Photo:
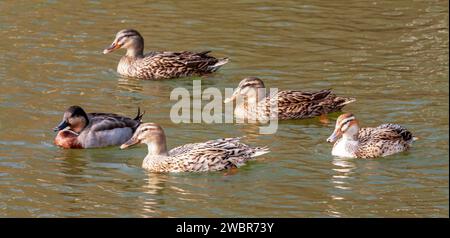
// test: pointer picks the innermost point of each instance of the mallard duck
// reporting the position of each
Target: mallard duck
(384, 140)
(253, 103)
(79, 129)
(213, 155)
(159, 65)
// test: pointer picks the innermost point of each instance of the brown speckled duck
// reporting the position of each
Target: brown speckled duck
(213, 155)
(252, 102)
(354, 142)
(159, 65)
(80, 130)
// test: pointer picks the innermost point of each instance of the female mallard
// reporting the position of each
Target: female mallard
(159, 65)
(386, 139)
(81, 130)
(254, 104)
(213, 155)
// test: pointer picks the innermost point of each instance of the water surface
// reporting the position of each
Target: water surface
(391, 55)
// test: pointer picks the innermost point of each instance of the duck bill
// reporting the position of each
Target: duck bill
(114, 46)
(334, 137)
(233, 97)
(61, 126)
(130, 142)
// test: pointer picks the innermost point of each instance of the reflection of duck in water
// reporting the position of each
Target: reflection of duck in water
(130, 85)
(159, 65)
(291, 104)
(384, 140)
(212, 155)
(79, 129)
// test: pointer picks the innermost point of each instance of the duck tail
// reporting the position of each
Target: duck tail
(345, 101)
(403, 132)
(218, 64)
(204, 53)
(139, 115)
(260, 151)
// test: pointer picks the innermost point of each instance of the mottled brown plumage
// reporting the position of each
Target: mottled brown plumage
(253, 102)
(159, 65)
(213, 155)
(352, 141)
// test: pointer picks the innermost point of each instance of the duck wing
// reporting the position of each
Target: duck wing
(213, 155)
(383, 140)
(297, 104)
(399, 130)
(179, 64)
(110, 121)
(295, 97)
(383, 132)
(211, 143)
(301, 104)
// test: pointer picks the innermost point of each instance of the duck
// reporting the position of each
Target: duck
(159, 64)
(81, 130)
(354, 142)
(252, 102)
(212, 155)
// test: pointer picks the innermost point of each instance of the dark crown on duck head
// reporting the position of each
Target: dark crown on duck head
(127, 33)
(253, 82)
(75, 111)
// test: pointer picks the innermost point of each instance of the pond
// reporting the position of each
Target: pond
(391, 56)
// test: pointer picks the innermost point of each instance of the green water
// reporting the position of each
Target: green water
(392, 56)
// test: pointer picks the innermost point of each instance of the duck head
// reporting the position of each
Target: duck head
(249, 88)
(346, 127)
(128, 39)
(151, 134)
(75, 118)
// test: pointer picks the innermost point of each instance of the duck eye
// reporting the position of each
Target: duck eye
(345, 126)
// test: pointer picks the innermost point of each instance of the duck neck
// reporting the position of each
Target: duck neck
(251, 101)
(353, 137)
(84, 121)
(136, 48)
(135, 52)
(157, 147)
(351, 134)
